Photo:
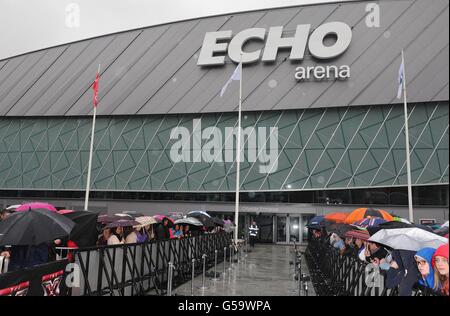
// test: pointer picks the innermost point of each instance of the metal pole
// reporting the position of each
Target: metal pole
(231, 257)
(169, 279)
(193, 277)
(215, 266)
(224, 260)
(204, 271)
(306, 288)
(88, 181)
(408, 163)
(238, 158)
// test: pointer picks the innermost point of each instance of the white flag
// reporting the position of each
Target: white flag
(401, 76)
(235, 76)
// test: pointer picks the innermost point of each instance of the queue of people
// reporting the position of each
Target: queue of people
(107, 230)
(401, 268)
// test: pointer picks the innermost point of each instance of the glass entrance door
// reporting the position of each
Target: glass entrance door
(281, 229)
(294, 229)
(288, 228)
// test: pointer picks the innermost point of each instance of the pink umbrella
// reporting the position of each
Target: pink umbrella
(62, 212)
(36, 205)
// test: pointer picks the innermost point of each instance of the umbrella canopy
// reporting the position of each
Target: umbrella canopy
(124, 215)
(159, 219)
(199, 212)
(441, 231)
(145, 220)
(206, 220)
(369, 222)
(36, 205)
(85, 233)
(217, 221)
(12, 208)
(316, 220)
(34, 228)
(189, 221)
(337, 217)
(105, 218)
(399, 219)
(412, 239)
(339, 228)
(123, 223)
(176, 216)
(362, 213)
(62, 212)
(393, 225)
(358, 233)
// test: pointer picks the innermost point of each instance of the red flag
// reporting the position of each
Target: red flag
(95, 87)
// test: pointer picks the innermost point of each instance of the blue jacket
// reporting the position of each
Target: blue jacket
(427, 254)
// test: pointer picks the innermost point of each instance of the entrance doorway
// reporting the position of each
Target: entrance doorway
(265, 224)
(291, 228)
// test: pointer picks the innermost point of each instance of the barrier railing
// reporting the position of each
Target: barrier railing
(336, 275)
(139, 269)
(42, 280)
(3, 264)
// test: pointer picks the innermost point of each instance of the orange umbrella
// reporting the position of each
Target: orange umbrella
(336, 217)
(361, 213)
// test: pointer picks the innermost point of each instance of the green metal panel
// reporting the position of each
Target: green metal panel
(328, 148)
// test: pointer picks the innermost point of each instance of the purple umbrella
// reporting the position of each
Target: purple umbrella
(123, 223)
(105, 219)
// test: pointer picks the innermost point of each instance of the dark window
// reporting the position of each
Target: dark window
(424, 196)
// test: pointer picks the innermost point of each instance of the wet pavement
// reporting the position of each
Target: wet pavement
(264, 271)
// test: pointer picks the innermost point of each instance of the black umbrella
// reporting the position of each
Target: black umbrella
(441, 231)
(85, 233)
(395, 224)
(339, 228)
(217, 221)
(206, 221)
(32, 228)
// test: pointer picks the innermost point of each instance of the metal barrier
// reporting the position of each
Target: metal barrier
(49, 279)
(3, 264)
(140, 269)
(336, 275)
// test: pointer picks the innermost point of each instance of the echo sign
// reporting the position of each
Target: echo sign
(215, 44)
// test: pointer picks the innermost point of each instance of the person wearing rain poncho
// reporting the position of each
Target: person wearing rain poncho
(424, 264)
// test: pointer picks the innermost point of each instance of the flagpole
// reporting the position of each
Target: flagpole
(88, 184)
(408, 163)
(238, 159)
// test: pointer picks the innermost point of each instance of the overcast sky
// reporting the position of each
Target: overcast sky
(28, 25)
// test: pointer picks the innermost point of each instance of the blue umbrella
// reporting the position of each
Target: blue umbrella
(316, 222)
(369, 222)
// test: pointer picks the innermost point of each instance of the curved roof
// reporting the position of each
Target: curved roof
(154, 70)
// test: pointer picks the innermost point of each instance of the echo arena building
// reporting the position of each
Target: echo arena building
(322, 127)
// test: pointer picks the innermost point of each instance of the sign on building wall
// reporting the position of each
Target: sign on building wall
(217, 44)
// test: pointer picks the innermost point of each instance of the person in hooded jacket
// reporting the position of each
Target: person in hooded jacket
(440, 265)
(403, 272)
(162, 230)
(424, 264)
